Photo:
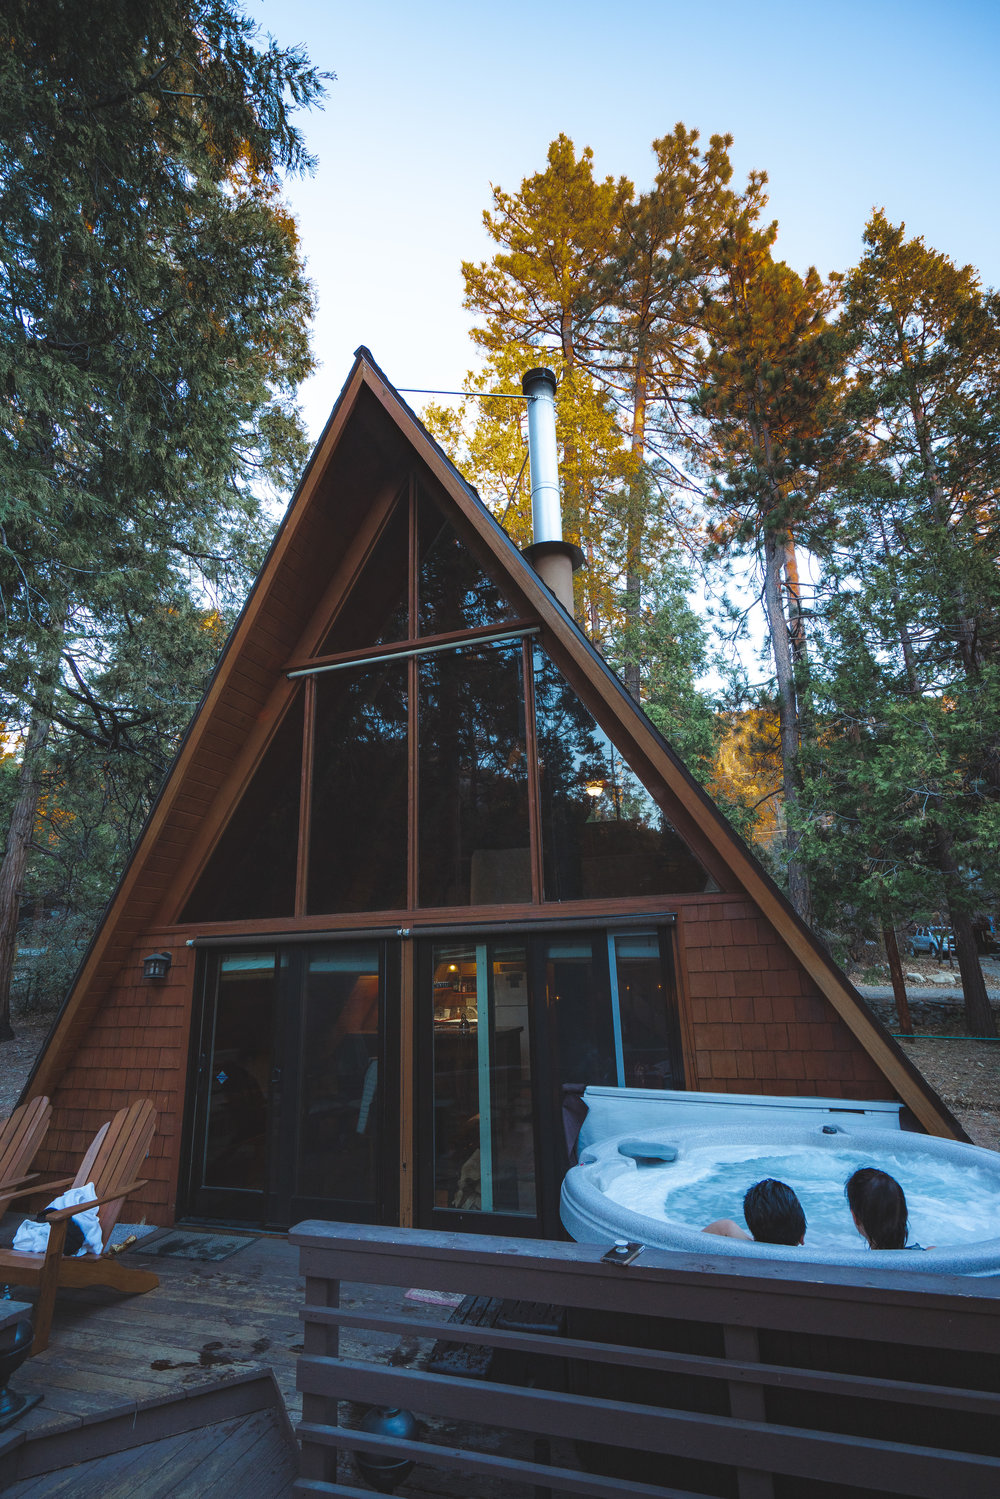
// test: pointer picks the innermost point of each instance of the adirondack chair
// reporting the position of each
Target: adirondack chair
(111, 1163)
(20, 1139)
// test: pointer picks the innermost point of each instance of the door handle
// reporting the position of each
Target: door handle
(275, 1077)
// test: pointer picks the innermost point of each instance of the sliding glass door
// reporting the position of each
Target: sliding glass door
(295, 1106)
(479, 1144)
(505, 1026)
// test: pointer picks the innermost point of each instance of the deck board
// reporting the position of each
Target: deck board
(205, 1320)
(246, 1455)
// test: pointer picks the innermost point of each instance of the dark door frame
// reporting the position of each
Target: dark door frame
(276, 1205)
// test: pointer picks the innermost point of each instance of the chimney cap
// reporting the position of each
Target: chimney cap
(533, 376)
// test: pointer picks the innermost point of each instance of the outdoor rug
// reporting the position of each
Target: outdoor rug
(123, 1231)
(191, 1246)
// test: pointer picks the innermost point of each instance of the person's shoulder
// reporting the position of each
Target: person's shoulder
(726, 1229)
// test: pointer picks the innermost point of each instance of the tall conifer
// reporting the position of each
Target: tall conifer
(153, 323)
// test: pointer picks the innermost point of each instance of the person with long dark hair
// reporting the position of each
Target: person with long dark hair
(878, 1207)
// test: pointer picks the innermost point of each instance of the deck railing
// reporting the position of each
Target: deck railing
(679, 1376)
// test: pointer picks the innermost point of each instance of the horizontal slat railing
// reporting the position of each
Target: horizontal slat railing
(833, 1326)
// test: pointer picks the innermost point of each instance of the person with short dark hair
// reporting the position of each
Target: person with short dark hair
(773, 1213)
(878, 1207)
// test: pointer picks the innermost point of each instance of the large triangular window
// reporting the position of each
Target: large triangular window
(251, 872)
(453, 591)
(446, 762)
(603, 833)
(376, 611)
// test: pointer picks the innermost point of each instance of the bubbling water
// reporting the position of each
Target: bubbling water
(946, 1205)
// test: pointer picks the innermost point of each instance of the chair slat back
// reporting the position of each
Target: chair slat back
(21, 1136)
(116, 1155)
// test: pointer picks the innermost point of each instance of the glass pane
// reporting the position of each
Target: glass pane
(513, 1163)
(376, 612)
(473, 779)
(357, 834)
(650, 1046)
(339, 1113)
(252, 871)
(240, 1072)
(454, 592)
(578, 1006)
(603, 834)
(484, 1156)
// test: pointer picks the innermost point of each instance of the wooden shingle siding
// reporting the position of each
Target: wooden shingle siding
(136, 1046)
(758, 1022)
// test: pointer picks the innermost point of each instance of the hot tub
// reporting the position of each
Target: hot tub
(952, 1190)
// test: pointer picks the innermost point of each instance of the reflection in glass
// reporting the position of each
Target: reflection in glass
(484, 1154)
(603, 834)
(473, 779)
(454, 592)
(339, 1115)
(357, 834)
(376, 611)
(240, 1071)
(578, 1006)
(252, 870)
(649, 1042)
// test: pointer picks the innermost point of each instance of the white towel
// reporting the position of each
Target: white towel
(33, 1237)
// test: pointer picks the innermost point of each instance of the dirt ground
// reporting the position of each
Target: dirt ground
(965, 1073)
(17, 1058)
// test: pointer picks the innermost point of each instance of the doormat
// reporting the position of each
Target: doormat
(127, 1233)
(181, 1246)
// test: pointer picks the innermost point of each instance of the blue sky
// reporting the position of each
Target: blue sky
(844, 105)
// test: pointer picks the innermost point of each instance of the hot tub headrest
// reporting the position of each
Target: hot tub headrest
(646, 1150)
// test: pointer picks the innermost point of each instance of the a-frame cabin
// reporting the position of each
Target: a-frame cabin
(420, 862)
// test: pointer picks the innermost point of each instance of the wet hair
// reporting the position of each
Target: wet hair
(774, 1214)
(879, 1207)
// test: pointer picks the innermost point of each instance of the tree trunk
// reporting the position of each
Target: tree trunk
(15, 860)
(978, 1014)
(898, 981)
(634, 534)
(784, 671)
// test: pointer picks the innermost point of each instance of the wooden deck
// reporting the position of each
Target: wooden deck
(204, 1320)
(112, 1356)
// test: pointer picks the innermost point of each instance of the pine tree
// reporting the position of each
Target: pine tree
(770, 385)
(154, 329)
(664, 262)
(921, 542)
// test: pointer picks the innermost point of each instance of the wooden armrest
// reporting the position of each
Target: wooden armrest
(58, 1214)
(19, 1181)
(36, 1187)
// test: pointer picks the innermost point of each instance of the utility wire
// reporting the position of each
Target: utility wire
(513, 493)
(480, 395)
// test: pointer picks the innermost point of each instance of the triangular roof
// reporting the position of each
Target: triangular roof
(351, 479)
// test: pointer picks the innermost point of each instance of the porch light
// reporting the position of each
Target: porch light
(156, 966)
(595, 789)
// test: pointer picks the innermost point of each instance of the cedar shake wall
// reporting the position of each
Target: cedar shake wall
(137, 1047)
(756, 1024)
(759, 1024)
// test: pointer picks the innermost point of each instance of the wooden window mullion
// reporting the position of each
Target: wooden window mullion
(534, 777)
(305, 798)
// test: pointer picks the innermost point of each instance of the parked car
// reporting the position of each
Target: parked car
(931, 941)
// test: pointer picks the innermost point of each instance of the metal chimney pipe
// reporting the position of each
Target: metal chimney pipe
(546, 515)
(553, 559)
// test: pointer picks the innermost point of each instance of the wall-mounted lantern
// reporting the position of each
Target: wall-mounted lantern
(156, 966)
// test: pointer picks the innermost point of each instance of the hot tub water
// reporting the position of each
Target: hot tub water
(952, 1192)
(945, 1206)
